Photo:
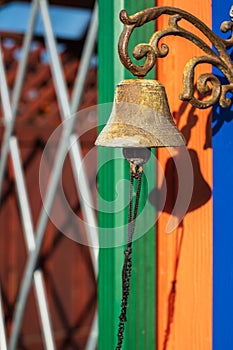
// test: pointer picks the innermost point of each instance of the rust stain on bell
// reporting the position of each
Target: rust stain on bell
(140, 117)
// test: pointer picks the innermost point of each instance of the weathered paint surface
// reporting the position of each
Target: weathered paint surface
(140, 328)
(185, 254)
(223, 208)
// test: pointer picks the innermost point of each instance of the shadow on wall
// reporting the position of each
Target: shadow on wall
(200, 196)
(201, 190)
(222, 115)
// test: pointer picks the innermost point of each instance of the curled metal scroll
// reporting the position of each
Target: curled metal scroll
(217, 57)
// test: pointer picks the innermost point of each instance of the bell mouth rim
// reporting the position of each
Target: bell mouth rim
(136, 137)
(139, 146)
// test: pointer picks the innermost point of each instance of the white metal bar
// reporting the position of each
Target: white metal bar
(75, 151)
(3, 343)
(22, 195)
(93, 337)
(23, 62)
(44, 313)
(77, 160)
(26, 214)
(48, 201)
(49, 197)
(57, 72)
(85, 61)
(30, 242)
(84, 192)
(42, 222)
(17, 90)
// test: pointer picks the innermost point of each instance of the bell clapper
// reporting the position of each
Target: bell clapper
(135, 169)
(137, 155)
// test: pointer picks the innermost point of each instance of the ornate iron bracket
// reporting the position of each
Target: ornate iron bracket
(217, 57)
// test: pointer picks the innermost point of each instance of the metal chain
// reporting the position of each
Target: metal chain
(136, 173)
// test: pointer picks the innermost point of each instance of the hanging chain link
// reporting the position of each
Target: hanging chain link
(135, 173)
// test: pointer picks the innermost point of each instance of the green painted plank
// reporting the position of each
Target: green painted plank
(140, 329)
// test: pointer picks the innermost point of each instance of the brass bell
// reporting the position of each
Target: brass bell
(140, 117)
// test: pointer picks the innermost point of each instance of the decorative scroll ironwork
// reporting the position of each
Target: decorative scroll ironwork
(217, 57)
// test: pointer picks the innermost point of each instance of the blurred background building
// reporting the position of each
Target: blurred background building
(67, 266)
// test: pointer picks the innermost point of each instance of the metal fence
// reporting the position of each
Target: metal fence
(34, 236)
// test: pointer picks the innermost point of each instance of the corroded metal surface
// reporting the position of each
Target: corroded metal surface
(218, 57)
(140, 117)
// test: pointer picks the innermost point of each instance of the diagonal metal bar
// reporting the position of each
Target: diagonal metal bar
(42, 222)
(26, 214)
(54, 179)
(93, 337)
(3, 343)
(75, 151)
(68, 109)
(76, 154)
(30, 241)
(84, 65)
(17, 90)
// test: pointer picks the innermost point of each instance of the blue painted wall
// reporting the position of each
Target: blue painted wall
(223, 209)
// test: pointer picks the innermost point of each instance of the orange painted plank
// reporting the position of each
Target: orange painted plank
(185, 254)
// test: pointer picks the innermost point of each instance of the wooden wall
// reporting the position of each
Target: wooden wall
(223, 208)
(185, 254)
